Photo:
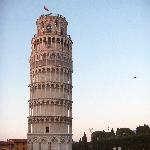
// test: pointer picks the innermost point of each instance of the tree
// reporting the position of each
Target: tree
(84, 142)
(124, 132)
(112, 132)
(143, 129)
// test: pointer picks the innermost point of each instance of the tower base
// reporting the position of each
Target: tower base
(49, 141)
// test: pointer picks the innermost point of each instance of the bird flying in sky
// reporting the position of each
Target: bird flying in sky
(45, 8)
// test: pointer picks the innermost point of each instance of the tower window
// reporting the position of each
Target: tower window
(56, 23)
(62, 31)
(40, 40)
(49, 40)
(53, 39)
(61, 41)
(47, 129)
(37, 41)
(48, 28)
(44, 39)
(58, 40)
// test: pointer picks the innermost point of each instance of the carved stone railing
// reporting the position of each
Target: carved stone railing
(50, 119)
(51, 101)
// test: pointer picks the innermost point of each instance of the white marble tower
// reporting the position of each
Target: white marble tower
(50, 104)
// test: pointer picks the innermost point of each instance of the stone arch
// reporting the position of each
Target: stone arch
(29, 140)
(52, 102)
(61, 41)
(48, 69)
(57, 69)
(39, 86)
(34, 45)
(34, 58)
(57, 86)
(65, 43)
(43, 69)
(68, 45)
(53, 56)
(69, 140)
(62, 31)
(53, 40)
(52, 85)
(56, 119)
(52, 119)
(44, 39)
(44, 56)
(52, 69)
(54, 140)
(49, 40)
(35, 71)
(58, 40)
(43, 86)
(58, 56)
(61, 70)
(37, 41)
(61, 102)
(40, 40)
(62, 140)
(61, 56)
(57, 102)
(35, 140)
(40, 57)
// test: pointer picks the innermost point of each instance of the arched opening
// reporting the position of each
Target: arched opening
(34, 45)
(47, 129)
(62, 31)
(44, 40)
(49, 40)
(44, 56)
(53, 40)
(58, 40)
(65, 43)
(40, 40)
(56, 23)
(61, 41)
(68, 45)
(37, 41)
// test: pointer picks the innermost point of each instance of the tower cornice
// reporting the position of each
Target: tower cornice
(50, 119)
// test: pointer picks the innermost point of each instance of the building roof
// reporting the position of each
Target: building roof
(19, 140)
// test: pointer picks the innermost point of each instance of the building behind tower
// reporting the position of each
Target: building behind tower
(50, 103)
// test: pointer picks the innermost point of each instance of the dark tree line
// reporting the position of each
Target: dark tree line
(124, 138)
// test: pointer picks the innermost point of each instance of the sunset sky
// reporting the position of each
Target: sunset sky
(111, 46)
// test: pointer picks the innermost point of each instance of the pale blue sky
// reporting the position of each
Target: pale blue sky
(111, 45)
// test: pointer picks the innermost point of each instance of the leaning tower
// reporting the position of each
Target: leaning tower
(50, 104)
